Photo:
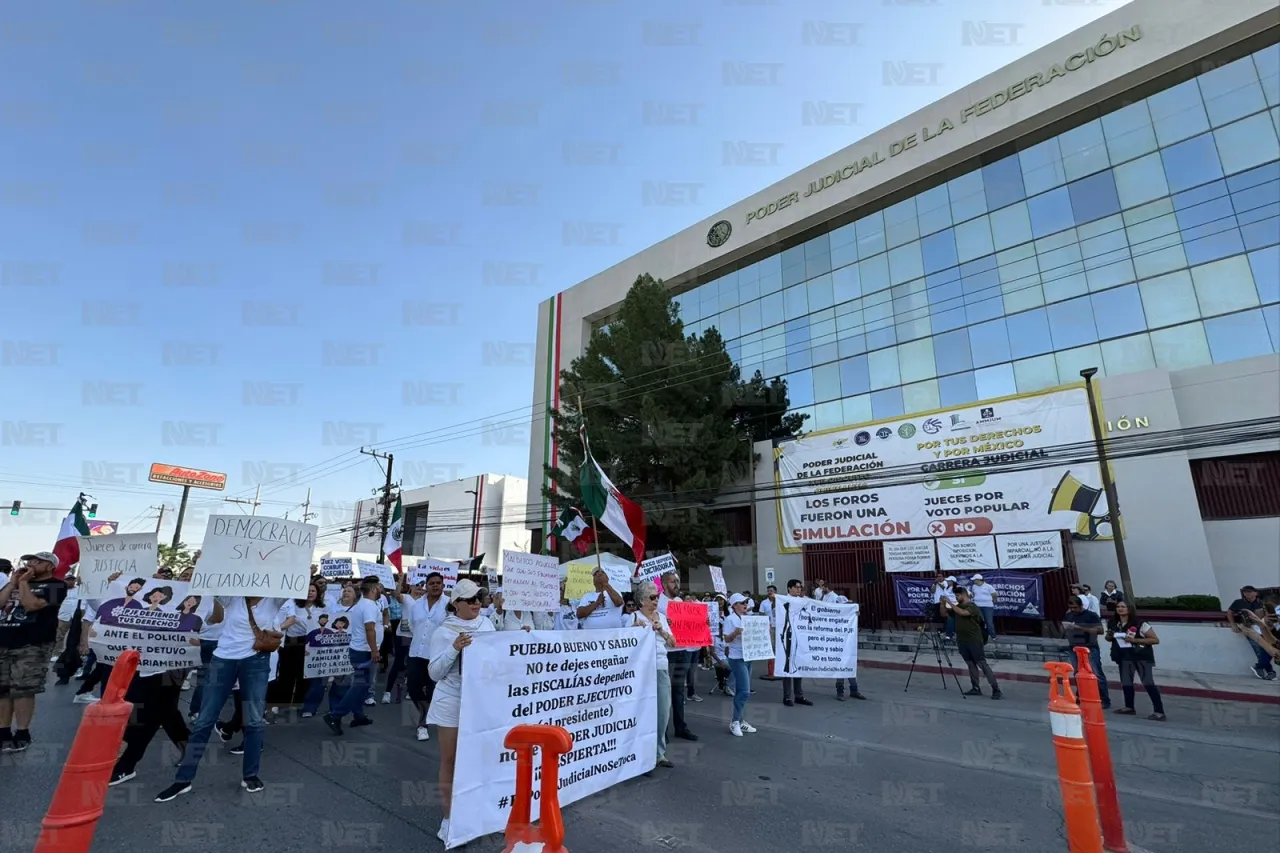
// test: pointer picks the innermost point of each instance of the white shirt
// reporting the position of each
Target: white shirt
(236, 642)
(567, 618)
(1091, 603)
(733, 622)
(425, 619)
(511, 620)
(642, 621)
(607, 616)
(361, 613)
(939, 593)
(68, 609)
(444, 668)
(982, 594)
(300, 614)
(765, 608)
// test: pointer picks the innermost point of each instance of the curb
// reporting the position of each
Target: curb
(1168, 690)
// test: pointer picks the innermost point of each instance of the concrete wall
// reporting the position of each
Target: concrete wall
(451, 517)
(1174, 33)
(1244, 551)
(1199, 648)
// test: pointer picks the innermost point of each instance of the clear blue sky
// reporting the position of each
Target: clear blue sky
(164, 165)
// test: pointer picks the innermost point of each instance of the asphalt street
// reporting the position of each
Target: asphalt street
(903, 772)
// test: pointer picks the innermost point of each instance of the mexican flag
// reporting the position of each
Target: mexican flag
(392, 547)
(603, 501)
(573, 528)
(67, 548)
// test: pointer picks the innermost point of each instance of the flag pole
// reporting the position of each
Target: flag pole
(586, 455)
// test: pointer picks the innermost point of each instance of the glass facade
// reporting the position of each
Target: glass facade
(1147, 238)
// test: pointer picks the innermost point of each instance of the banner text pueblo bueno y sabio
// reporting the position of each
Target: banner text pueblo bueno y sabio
(985, 468)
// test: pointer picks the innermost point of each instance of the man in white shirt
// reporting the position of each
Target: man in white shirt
(601, 608)
(1087, 598)
(984, 597)
(792, 688)
(366, 636)
(947, 593)
(425, 611)
(679, 661)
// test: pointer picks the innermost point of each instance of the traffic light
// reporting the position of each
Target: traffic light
(93, 511)
(17, 505)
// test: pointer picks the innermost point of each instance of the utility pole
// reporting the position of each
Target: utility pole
(1108, 485)
(386, 500)
(159, 518)
(306, 506)
(255, 503)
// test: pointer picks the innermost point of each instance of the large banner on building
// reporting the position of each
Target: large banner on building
(1003, 466)
(1018, 594)
(601, 686)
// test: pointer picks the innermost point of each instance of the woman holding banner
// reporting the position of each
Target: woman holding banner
(445, 669)
(649, 616)
(738, 665)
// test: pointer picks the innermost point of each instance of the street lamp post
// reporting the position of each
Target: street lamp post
(1109, 486)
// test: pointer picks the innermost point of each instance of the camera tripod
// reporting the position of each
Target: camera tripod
(939, 652)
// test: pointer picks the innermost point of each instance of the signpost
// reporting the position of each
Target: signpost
(188, 478)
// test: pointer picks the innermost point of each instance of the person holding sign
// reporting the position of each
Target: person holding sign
(366, 637)
(602, 607)
(445, 669)
(792, 688)
(680, 659)
(425, 608)
(737, 665)
(648, 616)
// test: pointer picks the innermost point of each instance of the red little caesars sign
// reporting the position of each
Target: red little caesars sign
(179, 476)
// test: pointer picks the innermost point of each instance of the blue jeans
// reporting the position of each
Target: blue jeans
(315, 695)
(202, 674)
(252, 673)
(989, 616)
(1264, 656)
(853, 686)
(1095, 664)
(741, 686)
(950, 627)
(352, 701)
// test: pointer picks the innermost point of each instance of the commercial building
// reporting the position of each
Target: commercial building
(484, 514)
(1110, 201)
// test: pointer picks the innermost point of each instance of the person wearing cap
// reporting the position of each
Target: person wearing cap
(649, 616)
(29, 603)
(366, 640)
(445, 668)
(732, 633)
(602, 607)
(984, 597)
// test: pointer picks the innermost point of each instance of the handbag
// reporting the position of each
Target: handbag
(263, 641)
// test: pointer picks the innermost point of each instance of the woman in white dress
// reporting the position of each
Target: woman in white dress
(445, 668)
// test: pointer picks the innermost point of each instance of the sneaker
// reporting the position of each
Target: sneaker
(84, 699)
(423, 734)
(334, 724)
(735, 729)
(306, 715)
(443, 833)
(370, 701)
(800, 700)
(386, 699)
(1270, 676)
(665, 762)
(788, 702)
(119, 777)
(839, 697)
(252, 784)
(858, 696)
(728, 691)
(21, 740)
(1257, 672)
(747, 727)
(177, 789)
(191, 718)
(357, 722)
(238, 749)
(695, 698)
(686, 735)
(975, 691)
(223, 734)
(996, 694)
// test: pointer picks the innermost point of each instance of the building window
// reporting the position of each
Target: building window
(737, 525)
(1245, 486)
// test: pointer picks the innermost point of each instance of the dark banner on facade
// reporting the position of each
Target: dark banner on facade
(1017, 594)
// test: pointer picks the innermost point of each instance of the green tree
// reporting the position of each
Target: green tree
(670, 420)
(178, 559)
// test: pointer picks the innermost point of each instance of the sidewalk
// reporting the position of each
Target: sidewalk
(1204, 685)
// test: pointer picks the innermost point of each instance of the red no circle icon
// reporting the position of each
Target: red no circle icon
(960, 527)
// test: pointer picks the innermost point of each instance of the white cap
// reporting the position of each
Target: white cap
(464, 589)
(976, 578)
(737, 598)
(951, 578)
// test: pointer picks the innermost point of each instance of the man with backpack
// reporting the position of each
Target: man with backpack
(971, 636)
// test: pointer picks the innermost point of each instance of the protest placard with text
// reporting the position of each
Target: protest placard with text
(757, 644)
(815, 639)
(690, 625)
(717, 580)
(448, 571)
(381, 571)
(160, 619)
(133, 555)
(255, 555)
(328, 643)
(654, 568)
(530, 582)
(337, 567)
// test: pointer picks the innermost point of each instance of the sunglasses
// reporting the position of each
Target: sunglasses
(653, 598)
(475, 599)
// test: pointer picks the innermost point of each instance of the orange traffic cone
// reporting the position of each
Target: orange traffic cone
(1079, 808)
(553, 742)
(1095, 737)
(77, 803)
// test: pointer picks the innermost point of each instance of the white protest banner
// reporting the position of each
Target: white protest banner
(654, 568)
(910, 555)
(717, 580)
(1030, 550)
(134, 555)
(426, 565)
(967, 554)
(491, 575)
(816, 639)
(255, 555)
(381, 571)
(756, 642)
(161, 619)
(328, 644)
(601, 686)
(530, 582)
(992, 467)
(337, 567)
